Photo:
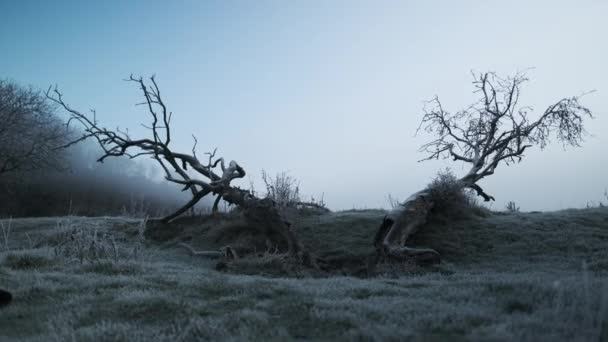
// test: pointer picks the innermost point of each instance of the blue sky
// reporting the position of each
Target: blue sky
(330, 91)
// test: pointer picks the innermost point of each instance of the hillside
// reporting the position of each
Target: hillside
(520, 276)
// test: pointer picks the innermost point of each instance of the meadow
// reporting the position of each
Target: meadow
(503, 277)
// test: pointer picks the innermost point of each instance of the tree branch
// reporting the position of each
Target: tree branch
(496, 130)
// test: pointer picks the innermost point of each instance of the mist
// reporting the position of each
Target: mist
(118, 186)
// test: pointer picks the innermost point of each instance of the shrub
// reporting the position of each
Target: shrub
(511, 207)
(449, 196)
(283, 189)
(393, 201)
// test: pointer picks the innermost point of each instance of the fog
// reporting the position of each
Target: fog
(331, 92)
(118, 186)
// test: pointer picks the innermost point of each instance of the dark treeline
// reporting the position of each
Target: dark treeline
(39, 177)
(118, 186)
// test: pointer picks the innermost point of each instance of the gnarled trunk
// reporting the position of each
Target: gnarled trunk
(399, 224)
(263, 213)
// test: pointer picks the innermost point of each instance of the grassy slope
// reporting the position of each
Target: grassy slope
(504, 277)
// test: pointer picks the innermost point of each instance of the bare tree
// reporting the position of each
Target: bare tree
(215, 176)
(283, 188)
(285, 191)
(30, 131)
(496, 130)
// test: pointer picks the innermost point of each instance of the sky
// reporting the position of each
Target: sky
(329, 91)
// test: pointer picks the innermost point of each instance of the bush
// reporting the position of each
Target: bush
(511, 207)
(283, 189)
(450, 198)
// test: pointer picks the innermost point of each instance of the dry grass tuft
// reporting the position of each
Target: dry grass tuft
(94, 243)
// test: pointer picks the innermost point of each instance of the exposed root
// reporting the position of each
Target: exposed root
(276, 264)
(208, 254)
(420, 255)
(313, 205)
(265, 213)
(273, 227)
(397, 227)
(229, 253)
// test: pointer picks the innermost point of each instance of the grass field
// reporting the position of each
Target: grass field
(504, 277)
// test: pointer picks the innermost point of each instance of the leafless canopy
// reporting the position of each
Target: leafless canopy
(492, 131)
(118, 142)
(30, 132)
(497, 129)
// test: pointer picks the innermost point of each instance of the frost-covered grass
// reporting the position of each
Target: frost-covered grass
(529, 277)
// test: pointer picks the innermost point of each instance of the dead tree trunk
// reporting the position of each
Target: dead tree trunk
(402, 222)
(267, 214)
(399, 224)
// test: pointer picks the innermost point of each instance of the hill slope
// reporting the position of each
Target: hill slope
(528, 276)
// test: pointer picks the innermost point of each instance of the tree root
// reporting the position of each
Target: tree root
(208, 254)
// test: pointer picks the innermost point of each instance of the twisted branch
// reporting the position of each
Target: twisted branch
(496, 130)
(116, 143)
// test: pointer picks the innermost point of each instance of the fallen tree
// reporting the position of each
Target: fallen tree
(215, 176)
(493, 131)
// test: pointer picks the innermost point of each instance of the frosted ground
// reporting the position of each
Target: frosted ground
(519, 276)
